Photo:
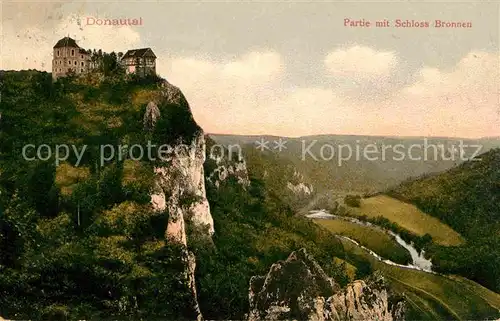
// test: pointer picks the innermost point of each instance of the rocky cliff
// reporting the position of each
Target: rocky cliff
(224, 164)
(298, 185)
(179, 186)
(298, 288)
(180, 178)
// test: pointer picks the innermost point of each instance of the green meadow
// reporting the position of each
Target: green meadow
(372, 238)
(409, 217)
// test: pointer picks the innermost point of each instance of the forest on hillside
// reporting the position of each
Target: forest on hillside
(82, 241)
(467, 198)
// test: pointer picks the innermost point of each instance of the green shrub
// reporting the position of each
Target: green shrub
(352, 200)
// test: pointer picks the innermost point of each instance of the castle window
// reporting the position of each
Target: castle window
(76, 62)
(82, 56)
(81, 70)
(72, 52)
(69, 62)
(81, 63)
(58, 53)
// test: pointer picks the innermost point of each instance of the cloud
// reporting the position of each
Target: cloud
(477, 71)
(255, 67)
(249, 95)
(225, 95)
(360, 64)
(463, 101)
(231, 97)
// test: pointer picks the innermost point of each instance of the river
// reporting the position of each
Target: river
(419, 262)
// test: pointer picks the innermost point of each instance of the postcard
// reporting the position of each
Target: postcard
(249, 160)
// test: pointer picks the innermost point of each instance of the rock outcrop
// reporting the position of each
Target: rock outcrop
(299, 289)
(365, 300)
(179, 185)
(300, 189)
(180, 188)
(151, 116)
(225, 164)
(298, 185)
(180, 179)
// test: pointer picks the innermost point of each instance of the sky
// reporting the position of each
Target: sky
(293, 68)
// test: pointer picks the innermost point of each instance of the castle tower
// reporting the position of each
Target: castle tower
(67, 57)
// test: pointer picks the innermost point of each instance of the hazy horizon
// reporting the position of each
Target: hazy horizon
(360, 135)
(293, 69)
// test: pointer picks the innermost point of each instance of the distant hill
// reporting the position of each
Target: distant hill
(363, 172)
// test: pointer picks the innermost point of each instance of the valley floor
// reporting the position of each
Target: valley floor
(431, 296)
(409, 217)
(437, 297)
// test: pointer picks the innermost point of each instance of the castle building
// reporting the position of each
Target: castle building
(139, 61)
(69, 57)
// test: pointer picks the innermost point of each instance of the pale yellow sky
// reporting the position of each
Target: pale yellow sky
(292, 68)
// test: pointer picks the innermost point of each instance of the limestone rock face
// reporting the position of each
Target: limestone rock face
(362, 300)
(179, 185)
(300, 189)
(180, 178)
(151, 116)
(226, 166)
(290, 289)
(180, 188)
(298, 185)
(299, 289)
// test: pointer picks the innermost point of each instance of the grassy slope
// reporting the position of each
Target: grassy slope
(376, 240)
(467, 198)
(409, 217)
(437, 297)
